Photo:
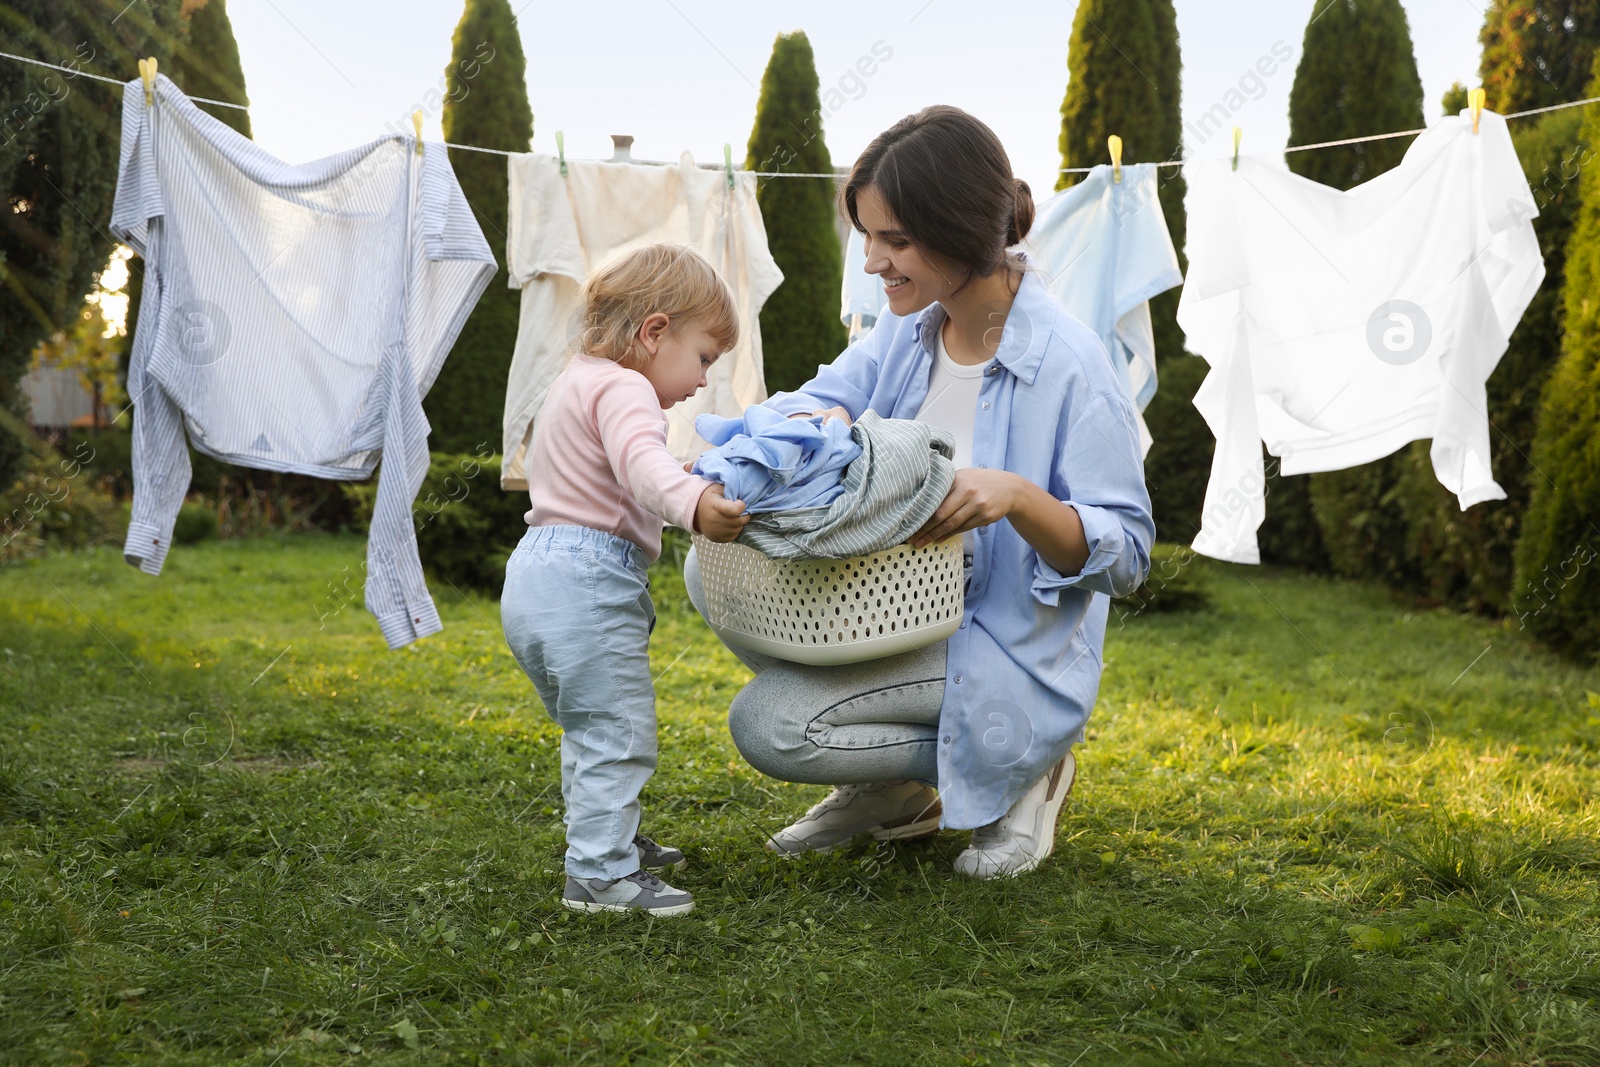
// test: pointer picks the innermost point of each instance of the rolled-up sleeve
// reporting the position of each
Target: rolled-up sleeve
(1100, 475)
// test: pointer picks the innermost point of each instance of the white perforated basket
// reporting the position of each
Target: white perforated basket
(826, 611)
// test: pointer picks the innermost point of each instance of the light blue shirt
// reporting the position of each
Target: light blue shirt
(1023, 670)
(773, 463)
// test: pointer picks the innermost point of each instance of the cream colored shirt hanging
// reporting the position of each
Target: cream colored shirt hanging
(561, 227)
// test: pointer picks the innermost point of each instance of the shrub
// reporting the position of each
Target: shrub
(1464, 558)
(467, 526)
(196, 523)
(56, 502)
(1557, 588)
(1179, 580)
(800, 327)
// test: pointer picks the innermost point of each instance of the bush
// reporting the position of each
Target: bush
(1465, 558)
(800, 327)
(467, 526)
(1179, 580)
(196, 523)
(56, 502)
(1557, 588)
(246, 501)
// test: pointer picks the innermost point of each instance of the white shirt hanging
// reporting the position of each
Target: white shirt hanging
(292, 319)
(561, 227)
(1340, 325)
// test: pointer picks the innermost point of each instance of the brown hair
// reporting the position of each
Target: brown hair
(947, 179)
(669, 279)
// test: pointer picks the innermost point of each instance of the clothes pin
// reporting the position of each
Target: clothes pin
(147, 71)
(727, 162)
(1238, 135)
(1115, 144)
(416, 122)
(1476, 100)
(561, 151)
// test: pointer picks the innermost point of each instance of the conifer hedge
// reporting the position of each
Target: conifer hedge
(800, 327)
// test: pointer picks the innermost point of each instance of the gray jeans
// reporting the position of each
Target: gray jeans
(876, 721)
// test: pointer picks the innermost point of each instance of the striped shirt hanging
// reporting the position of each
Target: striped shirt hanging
(293, 318)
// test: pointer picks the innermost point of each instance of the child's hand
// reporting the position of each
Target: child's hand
(719, 518)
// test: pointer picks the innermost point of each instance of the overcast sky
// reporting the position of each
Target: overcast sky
(325, 75)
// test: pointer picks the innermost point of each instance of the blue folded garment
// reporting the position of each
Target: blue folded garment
(773, 463)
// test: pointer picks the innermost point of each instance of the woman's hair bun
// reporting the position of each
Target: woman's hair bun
(1021, 214)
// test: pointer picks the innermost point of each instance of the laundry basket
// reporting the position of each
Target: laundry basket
(827, 611)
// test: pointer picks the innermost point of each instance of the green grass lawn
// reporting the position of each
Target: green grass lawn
(1310, 826)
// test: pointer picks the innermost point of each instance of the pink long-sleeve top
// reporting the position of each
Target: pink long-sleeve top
(600, 457)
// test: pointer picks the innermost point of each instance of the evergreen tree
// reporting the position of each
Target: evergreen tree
(59, 138)
(208, 63)
(1537, 52)
(1557, 587)
(1357, 76)
(1124, 68)
(1464, 558)
(1455, 99)
(486, 103)
(800, 327)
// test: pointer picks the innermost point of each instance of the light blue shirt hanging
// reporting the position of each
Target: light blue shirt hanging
(1023, 670)
(773, 463)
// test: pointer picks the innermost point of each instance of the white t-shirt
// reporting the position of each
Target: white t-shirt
(952, 402)
(952, 405)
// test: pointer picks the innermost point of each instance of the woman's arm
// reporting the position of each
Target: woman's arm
(1096, 534)
(979, 497)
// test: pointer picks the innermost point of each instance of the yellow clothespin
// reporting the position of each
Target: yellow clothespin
(416, 122)
(1238, 135)
(1476, 100)
(727, 162)
(561, 152)
(147, 71)
(1115, 144)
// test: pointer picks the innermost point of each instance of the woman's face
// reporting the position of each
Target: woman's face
(911, 278)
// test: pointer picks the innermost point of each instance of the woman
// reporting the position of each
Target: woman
(1049, 499)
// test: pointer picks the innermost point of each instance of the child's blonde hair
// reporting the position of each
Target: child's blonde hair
(667, 278)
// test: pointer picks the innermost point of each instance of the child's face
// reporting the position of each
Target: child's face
(678, 359)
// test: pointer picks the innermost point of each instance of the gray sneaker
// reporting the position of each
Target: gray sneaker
(657, 856)
(889, 811)
(639, 891)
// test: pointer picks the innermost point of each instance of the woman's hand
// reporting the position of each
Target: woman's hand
(717, 517)
(977, 497)
(826, 413)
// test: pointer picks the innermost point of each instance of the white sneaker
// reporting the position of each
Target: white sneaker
(889, 811)
(1023, 837)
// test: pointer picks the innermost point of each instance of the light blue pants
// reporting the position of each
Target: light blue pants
(876, 721)
(577, 614)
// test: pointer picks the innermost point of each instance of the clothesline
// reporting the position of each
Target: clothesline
(110, 81)
(793, 174)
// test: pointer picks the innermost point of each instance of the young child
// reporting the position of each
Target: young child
(576, 606)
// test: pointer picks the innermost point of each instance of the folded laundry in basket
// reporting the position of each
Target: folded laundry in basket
(773, 463)
(893, 487)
